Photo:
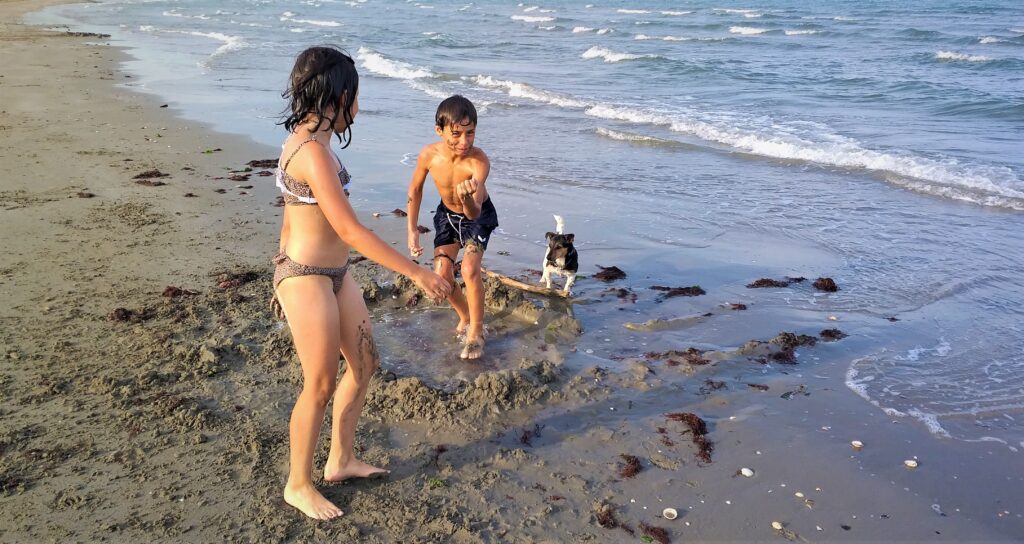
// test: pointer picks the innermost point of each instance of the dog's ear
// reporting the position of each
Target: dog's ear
(570, 237)
(550, 235)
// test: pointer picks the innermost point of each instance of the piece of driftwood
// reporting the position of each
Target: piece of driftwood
(516, 284)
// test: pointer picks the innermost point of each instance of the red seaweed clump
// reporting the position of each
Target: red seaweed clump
(630, 467)
(767, 282)
(699, 430)
(656, 534)
(609, 273)
(826, 284)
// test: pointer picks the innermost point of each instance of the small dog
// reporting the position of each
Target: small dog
(561, 257)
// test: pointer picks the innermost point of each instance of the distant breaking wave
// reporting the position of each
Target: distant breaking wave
(384, 66)
(941, 176)
(801, 32)
(532, 18)
(634, 138)
(989, 39)
(611, 56)
(747, 30)
(953, 55)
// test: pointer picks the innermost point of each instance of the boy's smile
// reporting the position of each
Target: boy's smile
(458, 138)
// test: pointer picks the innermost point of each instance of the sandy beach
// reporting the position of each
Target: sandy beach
(146, 386)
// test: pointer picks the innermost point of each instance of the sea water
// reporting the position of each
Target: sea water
(880, 144)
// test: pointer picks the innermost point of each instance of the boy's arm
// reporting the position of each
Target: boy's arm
(419, 176)
(473, 192)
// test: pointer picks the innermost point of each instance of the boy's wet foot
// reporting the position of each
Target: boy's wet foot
(353, 469)
(460, 329)
(309, 501)
(473, 349)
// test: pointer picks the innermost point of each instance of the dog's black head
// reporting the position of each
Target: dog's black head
(560, 247)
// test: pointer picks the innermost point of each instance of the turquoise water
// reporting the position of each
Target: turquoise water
(888, 139)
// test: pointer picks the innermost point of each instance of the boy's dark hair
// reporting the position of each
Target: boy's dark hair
(455, 110)
(320, 77)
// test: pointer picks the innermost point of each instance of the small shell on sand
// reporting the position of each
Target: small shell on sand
(910, 463)
(857, 445)
(799, 494)
(777, 525)
(669, 513)
(746, 472)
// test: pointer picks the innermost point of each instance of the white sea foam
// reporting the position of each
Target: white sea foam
(731, 10)
(611, 56)
(953, 55)
(316, 22)
(551, 27)
(633, 11)
(747, 30)
(578, 29)
(532, 18)
(629, 137)
(531, 8)
(663, 38)
(753, 15)
(605, 30)
(801, 32)
(989, 39)
(676, 13)
(201, 16)
(523, 90)
(381, 65)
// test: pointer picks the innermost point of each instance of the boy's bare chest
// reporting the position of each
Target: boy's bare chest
(447, 176)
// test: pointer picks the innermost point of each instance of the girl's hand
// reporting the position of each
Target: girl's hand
(436, 287)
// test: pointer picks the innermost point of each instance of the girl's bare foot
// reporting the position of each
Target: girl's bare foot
(309, 501)
(473, 349)
(354, 469)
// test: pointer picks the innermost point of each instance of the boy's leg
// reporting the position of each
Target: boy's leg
(444, 266)
(361, 360)
(471, 262)
(312, 313)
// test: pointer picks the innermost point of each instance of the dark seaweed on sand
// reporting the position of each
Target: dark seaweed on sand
(606, 518)
(767, 282)
(692, 356)
(263, 163)
(630, 467)
(669, 292)
(833, 334)
(150, 174)
(698, 430)
(789, 341)
(658, 534)
(826, 284)
(609, 273)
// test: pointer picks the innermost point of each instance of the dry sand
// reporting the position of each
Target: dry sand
(136, 413)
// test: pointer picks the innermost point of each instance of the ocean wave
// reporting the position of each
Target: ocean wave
(611, 56)
(736, 11)
(953, 55)
(201, 16)
(523, 90)
(633, 138)
(530, 8)
(987, 185)
(633, 11)
(802, 32)
(662, 38)
(578, 29)
(228, 43)
(381, 65)
(747, 30)
(989, 39)
(533, 18)
(676, 13)
(605, 30)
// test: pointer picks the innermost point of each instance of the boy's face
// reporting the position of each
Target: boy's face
(459, 137)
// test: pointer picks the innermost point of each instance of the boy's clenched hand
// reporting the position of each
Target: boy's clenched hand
(466, 189)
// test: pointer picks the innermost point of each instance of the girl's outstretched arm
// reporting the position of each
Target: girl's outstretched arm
(318, 170)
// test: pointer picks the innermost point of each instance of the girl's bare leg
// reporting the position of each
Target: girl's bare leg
(312, 312)
(362, 360)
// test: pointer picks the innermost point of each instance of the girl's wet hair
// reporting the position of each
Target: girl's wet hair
(455, 110)
(320, 77)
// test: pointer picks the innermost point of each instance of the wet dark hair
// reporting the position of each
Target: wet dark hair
(455, 110)
(320, 77)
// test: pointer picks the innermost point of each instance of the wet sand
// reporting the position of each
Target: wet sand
(146, 387)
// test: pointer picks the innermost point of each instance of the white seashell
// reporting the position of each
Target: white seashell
(799, 494)
(857, 444)
(833, 318)
(376, 214)
(746, 472)
(910, 463)
(669, 513)
(776, 525)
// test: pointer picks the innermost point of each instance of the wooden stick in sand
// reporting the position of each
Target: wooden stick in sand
(526, 286)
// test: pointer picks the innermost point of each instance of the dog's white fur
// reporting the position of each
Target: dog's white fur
(559, 267)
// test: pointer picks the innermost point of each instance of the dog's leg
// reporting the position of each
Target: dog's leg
(569, 280)
(545, 276)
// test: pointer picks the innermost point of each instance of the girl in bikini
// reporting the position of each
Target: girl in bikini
(323, 305)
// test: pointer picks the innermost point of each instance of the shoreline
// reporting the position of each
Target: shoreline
(171, 425)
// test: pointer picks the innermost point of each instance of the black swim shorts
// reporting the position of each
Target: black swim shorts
(456, 228)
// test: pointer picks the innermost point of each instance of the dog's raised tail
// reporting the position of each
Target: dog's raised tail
(559, 224)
